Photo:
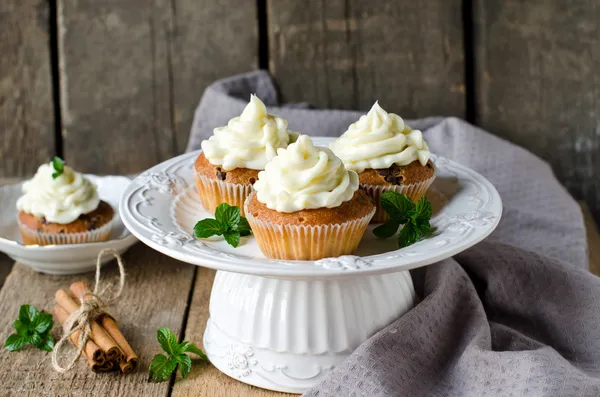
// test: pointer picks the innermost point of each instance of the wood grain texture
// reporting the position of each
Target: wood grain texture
(206, 380)
(26, 109)
(155, 295)
(537, 83)
(132, 74)
(406, 54)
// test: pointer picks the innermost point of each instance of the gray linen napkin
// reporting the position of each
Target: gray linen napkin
(516, 315)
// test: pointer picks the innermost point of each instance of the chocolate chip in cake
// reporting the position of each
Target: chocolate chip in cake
(252, 180)
(43, 220)
(428, 165)
(221, 175)
(383, 172)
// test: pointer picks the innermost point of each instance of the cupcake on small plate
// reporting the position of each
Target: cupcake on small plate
(61, 206)
(232, 158)
(307, 205)
(387, 155)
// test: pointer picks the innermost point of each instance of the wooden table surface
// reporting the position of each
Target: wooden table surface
(160, 291)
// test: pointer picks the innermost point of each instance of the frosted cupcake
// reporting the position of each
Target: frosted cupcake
(307, 205)
(387, 155)
(61, 206)
(232, 158)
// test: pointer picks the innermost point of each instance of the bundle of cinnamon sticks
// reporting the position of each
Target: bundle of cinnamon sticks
(107, 349)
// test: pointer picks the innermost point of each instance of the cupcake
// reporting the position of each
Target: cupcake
(387, 155)
(232, 158)
(61, 206)
(307, 205)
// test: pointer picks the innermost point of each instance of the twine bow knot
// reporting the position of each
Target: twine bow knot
(93, 306)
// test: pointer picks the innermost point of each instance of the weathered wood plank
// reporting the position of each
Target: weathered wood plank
(206, 380)
(406, 54)
(132, 74)
(537, 83)
(26, 110)
(156, 295)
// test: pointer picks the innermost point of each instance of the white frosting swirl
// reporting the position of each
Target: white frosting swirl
(303, 177)
(247, 141)
(61, 200)
(378, 140)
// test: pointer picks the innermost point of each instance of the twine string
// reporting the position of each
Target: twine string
(93, 305)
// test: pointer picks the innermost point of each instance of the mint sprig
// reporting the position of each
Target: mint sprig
(162, 366)
(228, 223)
(32, 327)
(59, 167)
(402, 211)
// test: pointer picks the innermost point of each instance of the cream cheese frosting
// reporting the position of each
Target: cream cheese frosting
(378, 140)
(248, 141)
(61, 200)
(304, 176)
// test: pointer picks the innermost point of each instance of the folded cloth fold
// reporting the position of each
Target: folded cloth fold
(516, 315)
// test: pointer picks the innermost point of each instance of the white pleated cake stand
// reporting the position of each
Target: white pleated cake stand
(284, 325)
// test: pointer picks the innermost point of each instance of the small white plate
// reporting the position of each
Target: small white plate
(161, 207)
(70, 258)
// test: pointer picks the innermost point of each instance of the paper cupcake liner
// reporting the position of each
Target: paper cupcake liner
(31, 236)
(302, 242)
(214, 192)
(414, 191)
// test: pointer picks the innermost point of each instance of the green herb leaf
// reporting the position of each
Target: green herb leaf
(386, 230)
(15, 342)
(185, 364)
(168, 341)
(20, 327)
(34, 339)
(42, 323)
(228, 223)
(207, 228)
(27, 313)
(59, 167)
(398, 206)
(162, 367)
(402, 210)
(408, 235)
(228, 215)
(47, 344)
(244, 227)
(191, 348)
(232, 238)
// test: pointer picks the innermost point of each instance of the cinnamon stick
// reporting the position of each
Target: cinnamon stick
(82, 290)
(95, 356)
(98, 334)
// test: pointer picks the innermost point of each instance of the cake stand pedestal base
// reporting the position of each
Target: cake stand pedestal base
(288, 334)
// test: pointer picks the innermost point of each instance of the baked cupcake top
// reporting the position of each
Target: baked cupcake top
(378, 140)
(248, 141)
(58, 197)
(304, 176)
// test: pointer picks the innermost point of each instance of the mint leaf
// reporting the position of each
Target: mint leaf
(20, 327)
(398, 206)
(228, 223)
(27, 313)
(207, 228)
(162, 367)
(34, 339)
(386, 230)
(423, 209)
(59, 167)
(244, 227)
(15, 342)
(232, 238)
(408, 235)
(168, 341)
(42, 323)
(191, 348)
(185, 364)
(46, 344)
(228, 215)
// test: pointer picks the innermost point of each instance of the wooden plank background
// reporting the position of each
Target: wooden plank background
(112, 85)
